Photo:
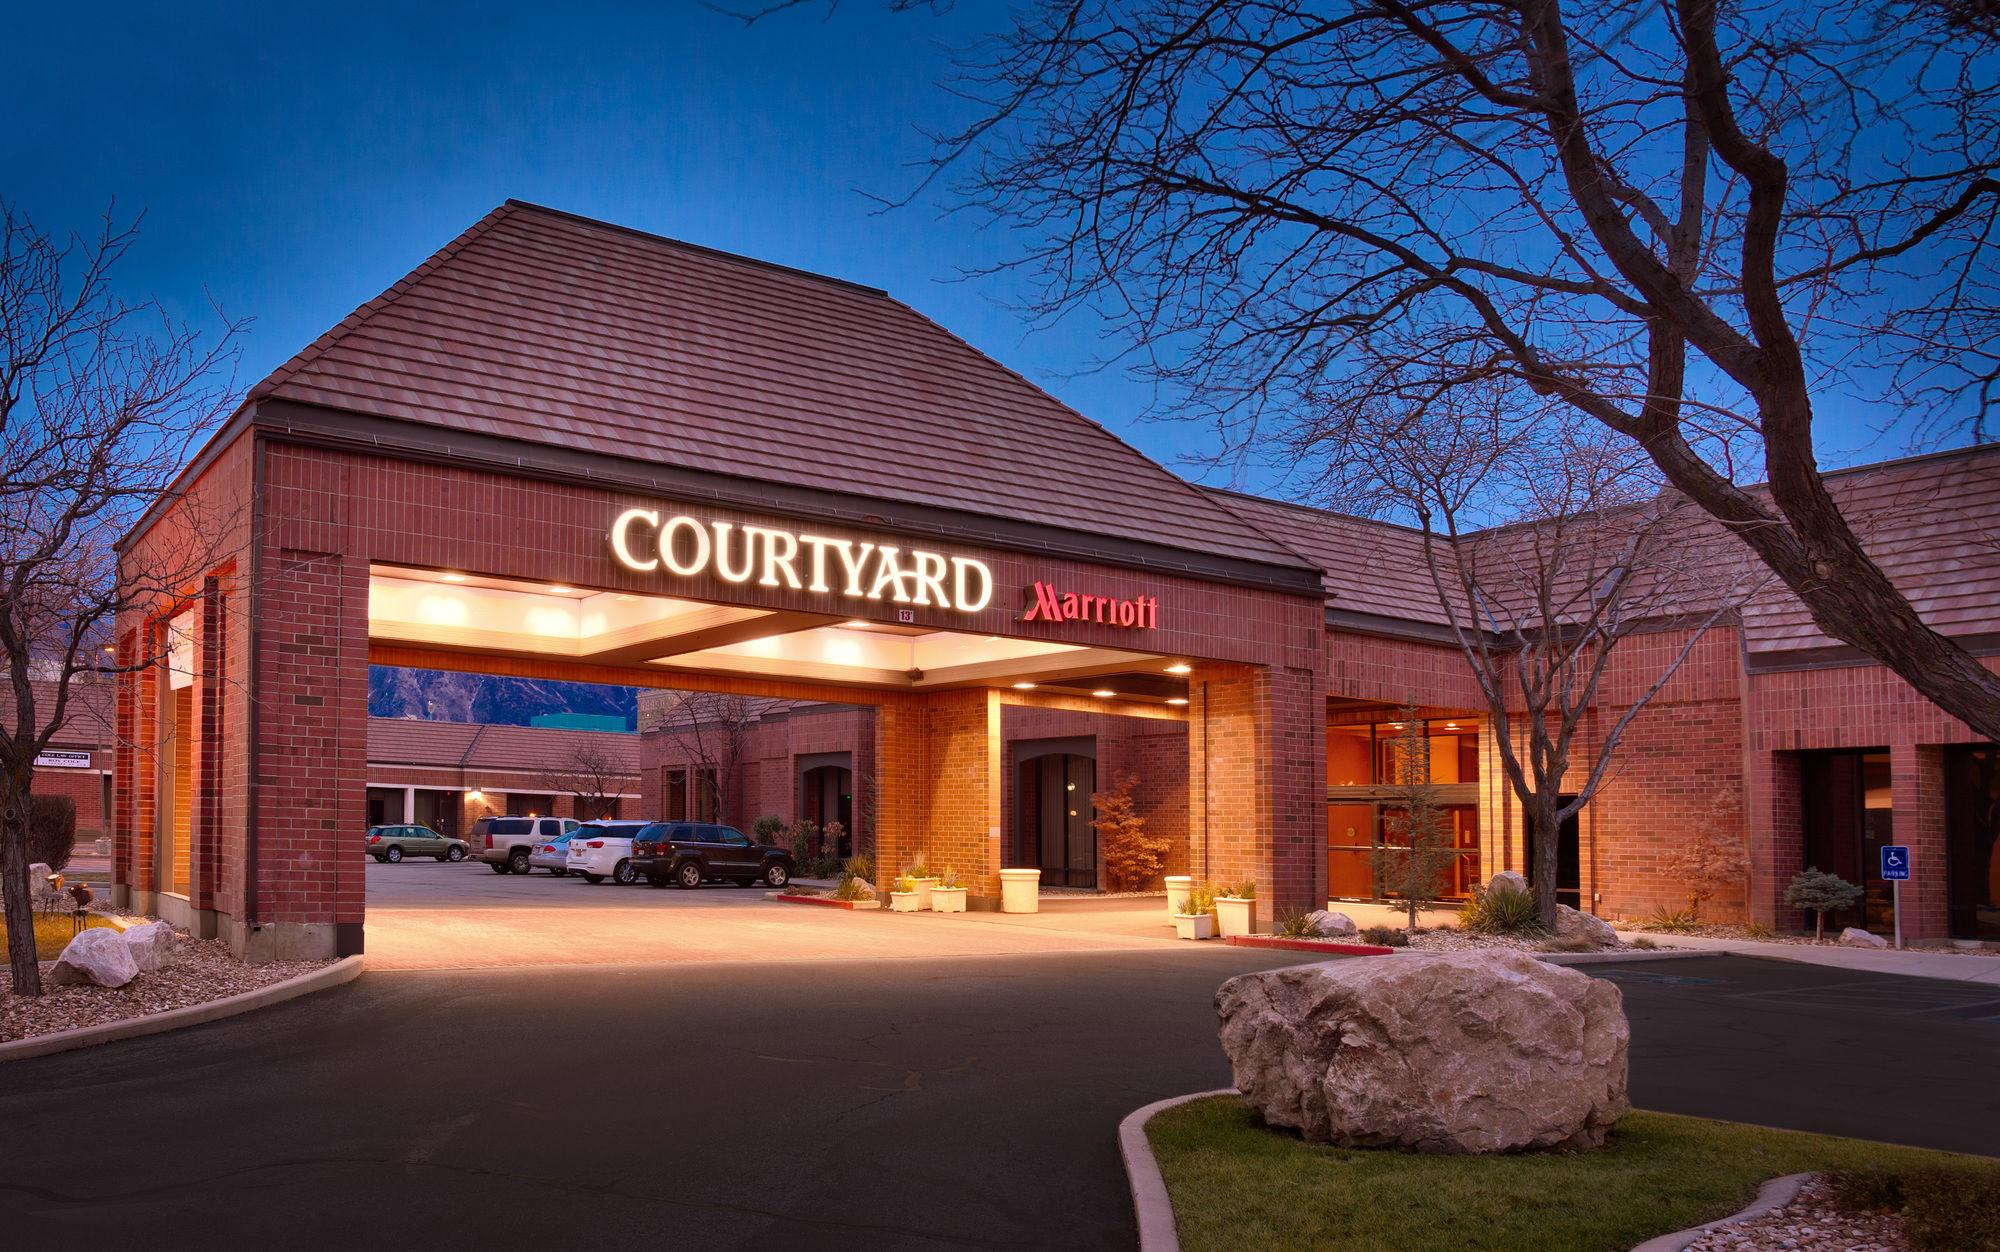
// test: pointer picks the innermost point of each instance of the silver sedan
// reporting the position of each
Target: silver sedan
(551, 855)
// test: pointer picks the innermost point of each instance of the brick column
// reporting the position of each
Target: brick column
(211, 677)
(1256, 802)
(1776, 835)
(937, 763)
(1917, 790)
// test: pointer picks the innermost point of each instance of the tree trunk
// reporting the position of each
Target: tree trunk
(14, 890)
(1547, 842)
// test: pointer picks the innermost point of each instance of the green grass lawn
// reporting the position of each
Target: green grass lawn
(52, 934)
(1239, 1185)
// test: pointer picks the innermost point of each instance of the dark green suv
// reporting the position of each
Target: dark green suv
(389, 844)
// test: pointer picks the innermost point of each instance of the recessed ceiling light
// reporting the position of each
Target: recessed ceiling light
(1104, 693)
(1176, 699)
(454, 578)
(562, 591)
(1024, 686)
(1451, 725)
(1180, 667)
(856, 624)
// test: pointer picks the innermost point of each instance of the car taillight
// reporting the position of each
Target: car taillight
(374, 838)
(597, 843)
(489, 839)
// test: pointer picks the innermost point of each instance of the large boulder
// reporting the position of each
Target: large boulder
(1507, 880)
(1460, 1052)
(1328, 924)
(1571, 924)
(1857, 938)
(97, 955)
(151, 945)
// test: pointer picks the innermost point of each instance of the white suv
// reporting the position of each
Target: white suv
(601, 850)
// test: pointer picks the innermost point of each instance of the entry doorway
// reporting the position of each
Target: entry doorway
(1972, 842)
(826, 796)
(1847, 812)
(1054, 812)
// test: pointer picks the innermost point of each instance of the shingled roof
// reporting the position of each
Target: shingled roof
(545, 328)
(525, 749)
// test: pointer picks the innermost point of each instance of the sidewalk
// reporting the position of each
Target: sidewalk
(1978, 967)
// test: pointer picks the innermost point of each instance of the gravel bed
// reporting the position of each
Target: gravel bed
(1448, 939)
(199, 971)
(1811, 1223)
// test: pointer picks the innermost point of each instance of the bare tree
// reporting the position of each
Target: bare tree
(1699, 226)
(100, 402)
(1590, 556)
(713, 727)
(592, 773)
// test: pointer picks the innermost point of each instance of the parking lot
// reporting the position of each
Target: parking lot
(429, 915)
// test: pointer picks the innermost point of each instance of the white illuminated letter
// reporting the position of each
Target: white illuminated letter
(741, 575)
(819, 546)
(929, 578)
(852, 561)
(774, 559)
(700, 534)
(888, 574)
(975, 593)
(621, 546)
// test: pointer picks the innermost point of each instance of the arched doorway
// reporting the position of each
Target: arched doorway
(1053, 813)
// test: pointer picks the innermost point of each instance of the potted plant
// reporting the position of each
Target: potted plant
(1198, 920)
(921, 875)
(903, 897)
(949, 894)
(1236, 910)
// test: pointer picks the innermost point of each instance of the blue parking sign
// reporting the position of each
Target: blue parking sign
(1895, 863)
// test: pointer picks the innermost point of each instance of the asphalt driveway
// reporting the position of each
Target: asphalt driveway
(964, 1102)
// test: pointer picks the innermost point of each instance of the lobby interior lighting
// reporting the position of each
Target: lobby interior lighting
(562, 591)
(1180, 667)
(1177, 701)
(454, 578)
(1104, 693)
(1024, 686)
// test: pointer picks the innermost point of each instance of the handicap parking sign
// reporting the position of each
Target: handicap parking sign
(1895, 863)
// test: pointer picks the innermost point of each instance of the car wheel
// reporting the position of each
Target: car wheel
(689, 874)
(623, 874)
(380, 859)
(776, 875)
(560, 873)
(499, 867)
(454, 854)
(393, 855)
(518, 862)
(593, 879)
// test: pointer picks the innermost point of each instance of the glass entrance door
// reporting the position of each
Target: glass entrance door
(1054, 811)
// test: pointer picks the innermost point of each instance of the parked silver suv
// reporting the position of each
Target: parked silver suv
(506, 843)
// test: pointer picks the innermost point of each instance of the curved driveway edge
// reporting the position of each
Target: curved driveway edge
(1774, 1194)
(1155, 1212)
(345, 970)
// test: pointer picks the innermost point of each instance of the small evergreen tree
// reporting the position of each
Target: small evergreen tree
(1821, 894)
(1415, 868)
(1133, 855)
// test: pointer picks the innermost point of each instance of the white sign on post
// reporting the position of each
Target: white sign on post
(60, 758)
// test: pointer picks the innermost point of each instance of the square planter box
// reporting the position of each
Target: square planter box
(904, 902)
(924, 888)
(1234, 916)
(948, 899)
(1194, 925)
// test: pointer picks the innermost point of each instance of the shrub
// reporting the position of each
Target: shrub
(949, 878)
(1245, 890)
(1943, 1209)
(1674, 921)
(859, 867)
(1133, 856)
(1386, 937)
(768, 827)
(905, 883)
(1502, 911)
(1201, 899)
(853, 888)
(1297, 925)
(1645, 945)
(1820, 894)
(1758, 930)
(51, 830)
(1575, 943)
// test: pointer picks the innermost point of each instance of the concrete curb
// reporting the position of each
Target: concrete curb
(1617, 958)
(1150, 1205)
(1774, 1194)
(1288, 943)
(825, 902)
(345, 970)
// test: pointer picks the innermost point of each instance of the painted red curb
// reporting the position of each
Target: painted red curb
(1308, 945)
(825, 902)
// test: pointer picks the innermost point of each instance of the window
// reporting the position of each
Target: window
(729, 835)
(508, 826)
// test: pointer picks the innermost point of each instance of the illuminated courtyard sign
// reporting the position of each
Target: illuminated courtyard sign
(769, 557)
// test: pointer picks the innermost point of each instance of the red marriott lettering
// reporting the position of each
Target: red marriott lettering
(1050, 605)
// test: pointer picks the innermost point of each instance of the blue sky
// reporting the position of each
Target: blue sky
(292, 161)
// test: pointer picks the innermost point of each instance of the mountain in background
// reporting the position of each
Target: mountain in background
(442, 696)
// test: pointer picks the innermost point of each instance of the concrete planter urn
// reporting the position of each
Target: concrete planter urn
(1235, 915)
(1178, 888)
(1020, 891)
(1194, 925)
(948, 899)
(924, 888)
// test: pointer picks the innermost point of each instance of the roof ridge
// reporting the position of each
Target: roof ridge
(706, 250)
(1313, 509)
(353, 321)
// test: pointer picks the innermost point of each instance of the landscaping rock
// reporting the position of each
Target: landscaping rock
(151, 945)
(1330, 925)
(1855, 938)
(1507, 880)
(38, 875)
(98, 956)
(1464, 1052)
(1572, 924)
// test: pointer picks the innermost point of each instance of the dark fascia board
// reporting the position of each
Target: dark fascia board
(1349, 622)
(1841, 656)
(294, 422)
